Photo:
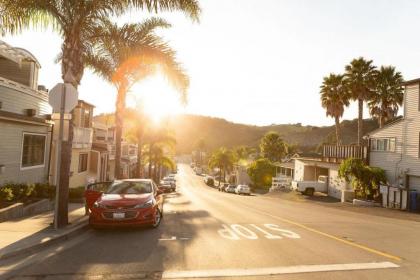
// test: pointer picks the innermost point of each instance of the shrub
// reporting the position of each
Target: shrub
(365, 179)
(261, 172)
(6, 194)
(77, 193)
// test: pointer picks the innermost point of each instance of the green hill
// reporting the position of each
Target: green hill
(217, 132)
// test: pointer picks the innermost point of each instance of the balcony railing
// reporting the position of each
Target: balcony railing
(338, 153)
(82, 137)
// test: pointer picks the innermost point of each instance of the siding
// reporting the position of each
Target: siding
(389, 160)
(11, 152)
(17, 100)
(411, 161)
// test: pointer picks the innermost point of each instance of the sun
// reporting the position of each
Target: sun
(156, 97)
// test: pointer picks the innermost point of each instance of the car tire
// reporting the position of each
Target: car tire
(309, 192)
(160, 216)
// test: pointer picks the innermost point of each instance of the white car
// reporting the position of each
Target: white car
(243, 189)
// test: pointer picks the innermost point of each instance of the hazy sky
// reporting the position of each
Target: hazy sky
(260, 62)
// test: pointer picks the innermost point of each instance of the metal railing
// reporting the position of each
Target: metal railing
(338, 153)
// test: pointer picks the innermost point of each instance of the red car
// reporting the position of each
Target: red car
(128, 202)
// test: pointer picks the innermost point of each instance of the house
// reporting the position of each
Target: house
(310, 168)
(25, 128)
(396, 146)
(83, 169)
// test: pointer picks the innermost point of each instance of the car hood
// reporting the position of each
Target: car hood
(124, 199)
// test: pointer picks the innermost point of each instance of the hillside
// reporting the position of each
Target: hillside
(217, 132)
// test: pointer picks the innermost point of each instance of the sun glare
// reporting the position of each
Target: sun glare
(157, 98)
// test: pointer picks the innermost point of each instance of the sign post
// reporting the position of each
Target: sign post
(62, 98)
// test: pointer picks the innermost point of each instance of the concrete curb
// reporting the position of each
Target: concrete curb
(34, 248)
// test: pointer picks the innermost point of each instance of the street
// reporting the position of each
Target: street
(209, 234)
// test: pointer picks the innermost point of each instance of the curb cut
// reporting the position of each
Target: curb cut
(31, 249)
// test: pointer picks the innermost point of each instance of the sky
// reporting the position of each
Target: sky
(257, 62)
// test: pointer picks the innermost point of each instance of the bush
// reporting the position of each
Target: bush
(365, 179)
(77, 193)
(261, 173)
(20, 192)
(6, 194)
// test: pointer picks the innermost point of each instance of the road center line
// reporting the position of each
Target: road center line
(275, 270)
(353, 244)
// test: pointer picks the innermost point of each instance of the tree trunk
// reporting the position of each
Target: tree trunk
(139, 157)
(360, 123)
(159, 173)
(150, 161)
(72, 72)
(337, 130)
(119, 122)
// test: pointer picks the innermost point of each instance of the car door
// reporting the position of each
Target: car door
(94, 191)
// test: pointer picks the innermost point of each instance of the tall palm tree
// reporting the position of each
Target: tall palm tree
(75, 21)
(126, 55)
(360, 75)
(159, 159)
(388, 94)
(334, 98)
(223, 159)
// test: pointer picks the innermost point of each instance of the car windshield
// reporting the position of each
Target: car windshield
(130, 188)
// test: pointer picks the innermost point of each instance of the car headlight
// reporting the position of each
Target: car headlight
(147, 204)
(98, 205)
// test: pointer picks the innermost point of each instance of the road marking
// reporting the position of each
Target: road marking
(168, 239)
(236, 231)
(275, 270)
(351, 243)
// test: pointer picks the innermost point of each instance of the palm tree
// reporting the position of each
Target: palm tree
(223, 159)
(125, 55)
(388, 94)
(159, 159)
(334, 98)
(360, 80)
(76, 21)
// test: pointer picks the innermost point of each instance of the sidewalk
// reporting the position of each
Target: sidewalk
(29, 234)
(327, 201)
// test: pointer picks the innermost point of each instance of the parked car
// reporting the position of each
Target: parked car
(230, 189)
(130, 202)
(166, 187)
(169, 180)
(222, 187)
(310, 187)
(209, 181)
(243, 189)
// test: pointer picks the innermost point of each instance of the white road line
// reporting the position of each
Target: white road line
(168, 239)
(275, 270)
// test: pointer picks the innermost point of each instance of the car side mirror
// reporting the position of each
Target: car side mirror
(159, 191)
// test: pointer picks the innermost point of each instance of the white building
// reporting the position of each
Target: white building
(396, 146)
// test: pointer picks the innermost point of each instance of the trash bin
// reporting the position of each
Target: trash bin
(413, 201)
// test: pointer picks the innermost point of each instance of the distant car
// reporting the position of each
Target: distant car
(168, 181)
(166, 187)
(230, 189)
(172, 175)
(243, 189)
(209, 181)
(222, 187)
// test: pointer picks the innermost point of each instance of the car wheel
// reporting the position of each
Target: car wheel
(158, 218)
(309, 192)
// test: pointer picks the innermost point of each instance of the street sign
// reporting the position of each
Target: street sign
(71, 97)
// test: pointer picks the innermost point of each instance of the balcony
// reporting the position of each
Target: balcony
(82, 137)
(336, 154)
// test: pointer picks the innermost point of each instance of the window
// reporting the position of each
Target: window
(33, 150)
(383, 144)
(83, 160)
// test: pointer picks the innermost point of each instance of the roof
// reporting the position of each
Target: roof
(391, 123)
(16, 54)
(409, 82)
(289, 164)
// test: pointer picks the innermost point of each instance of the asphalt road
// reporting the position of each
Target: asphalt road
(208, 234)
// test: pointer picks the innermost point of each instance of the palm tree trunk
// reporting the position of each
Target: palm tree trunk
(139, 157)
(360, 122)
(150, 160)
(72, 72)
(337, 130)
(119, 122)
